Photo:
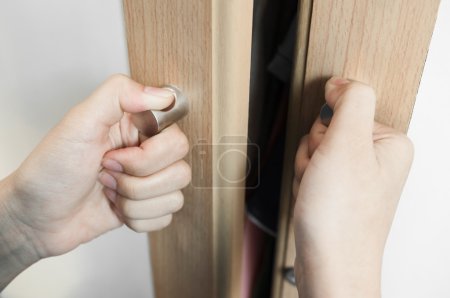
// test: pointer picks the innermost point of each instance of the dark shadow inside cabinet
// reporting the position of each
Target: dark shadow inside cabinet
(273, 47)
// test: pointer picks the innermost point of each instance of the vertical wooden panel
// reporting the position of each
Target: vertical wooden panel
(203, 47)
(380, 42)
(232, 29)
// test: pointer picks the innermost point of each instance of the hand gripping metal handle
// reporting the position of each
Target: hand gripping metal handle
(150, 123)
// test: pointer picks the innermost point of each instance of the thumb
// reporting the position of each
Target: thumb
(353, 105)
(121, 94)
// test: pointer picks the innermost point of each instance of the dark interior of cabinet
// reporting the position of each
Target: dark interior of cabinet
(273, 47)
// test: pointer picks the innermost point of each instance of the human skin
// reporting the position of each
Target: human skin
(94, 172)
(348, 179)
(91, 174)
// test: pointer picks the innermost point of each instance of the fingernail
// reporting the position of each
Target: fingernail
(112, 165)
(326, 113)
(337, 81)
(161, 92)
(107, 180)
(110, 194)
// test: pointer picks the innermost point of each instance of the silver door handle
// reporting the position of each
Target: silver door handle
(150, 123)
(289, 275)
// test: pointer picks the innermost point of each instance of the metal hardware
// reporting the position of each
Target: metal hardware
(289, 275)
(150, 123)
(326, 113)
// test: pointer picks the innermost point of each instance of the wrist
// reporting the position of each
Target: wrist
(316, 279)
(17, 250)
(327, 270)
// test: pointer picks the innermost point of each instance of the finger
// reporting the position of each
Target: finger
(301, 162)
(381, 132)
(151, 156)
(393, 147)
(119, 94)
(150, 208)
(149, 225)
(353, 105)
(302, 157)
(174, 177)
(315, 136)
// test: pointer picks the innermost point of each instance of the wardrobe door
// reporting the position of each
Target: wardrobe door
(383, 43)
(203, 47)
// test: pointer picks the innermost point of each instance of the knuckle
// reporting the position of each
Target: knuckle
(143, 226)
(165, 221)
(178, 201)
(406, 145)
(160, 223)
(180, 141)
(128, 163)
(127, 207)
(118, 79)
(185, 173)
(137, 169)
(136, 226)
(127, 188)
(359, 90)
(183, 144)
(158, 148)
(120, 83)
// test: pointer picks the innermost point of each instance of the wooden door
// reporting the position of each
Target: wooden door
(383, 43)
(203, 47)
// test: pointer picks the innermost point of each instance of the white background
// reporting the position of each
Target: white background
(417, 256)
(53, 53)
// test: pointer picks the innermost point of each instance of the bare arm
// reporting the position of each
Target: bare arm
(91, 174)
(16, 251)
(349, 178)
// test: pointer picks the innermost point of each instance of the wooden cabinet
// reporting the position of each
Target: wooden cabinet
(203, 47)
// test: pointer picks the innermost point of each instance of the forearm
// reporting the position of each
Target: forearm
(16, 251)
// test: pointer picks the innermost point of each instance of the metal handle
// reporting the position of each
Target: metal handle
(289, 275)
(150, 123)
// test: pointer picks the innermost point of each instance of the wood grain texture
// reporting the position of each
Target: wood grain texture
(383, 43)
(203, 47)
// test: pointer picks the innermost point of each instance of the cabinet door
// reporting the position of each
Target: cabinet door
(383, 43)
(203, 47)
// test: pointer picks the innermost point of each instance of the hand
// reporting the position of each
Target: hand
(94, 172)
(352, 174)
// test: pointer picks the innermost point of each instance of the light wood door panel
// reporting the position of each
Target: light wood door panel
(383, 43)
(203, 47)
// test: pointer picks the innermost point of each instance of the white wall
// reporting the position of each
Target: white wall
(53, 53)
(417, 258)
